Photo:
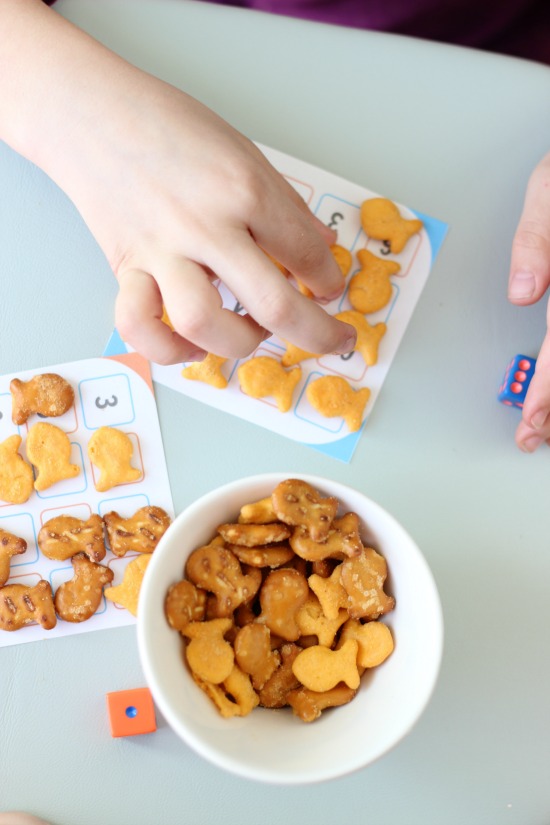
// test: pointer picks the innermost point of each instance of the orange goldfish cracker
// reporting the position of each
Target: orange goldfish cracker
(374, 639)
(254, 535)
(272, 556)
(368, 336)
(78, 599)
(363, 578)
(257, 512)
(343, 258)
(370, 289)
(111, 451)
(381, 219)
(208, 654)
(264, 377)
(297, 503)
(312, 621)
(334, 397)
(342, 540)
(217, 570)
(330, 592)
(63, 536)
(209, 371)
(235, 698)
(21, 605)
(10, 545)
(281, 596)
(126, 594)
(16, 476)
(184, 603)
(275, 691)
(139, 533)
(319, 668)
(48, 394)
(295, 355)
(49, 449)
(309, 704)
(253, 653)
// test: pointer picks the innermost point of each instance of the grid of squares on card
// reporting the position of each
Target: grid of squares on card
(337, 203)
(108, 393)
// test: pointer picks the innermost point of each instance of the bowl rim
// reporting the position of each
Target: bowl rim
(232, 764)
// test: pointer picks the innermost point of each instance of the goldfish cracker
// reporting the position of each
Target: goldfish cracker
(382, 220)
(319, 668)
(49, 449)
(334, 397)
(16, 476)
(368, 336)
(374, 639)
(208, 654)
(264, 377)
(126, 594)
(209, 371)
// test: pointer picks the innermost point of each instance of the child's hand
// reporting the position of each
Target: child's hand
(174, 196)
(529, 280)
(178, 198)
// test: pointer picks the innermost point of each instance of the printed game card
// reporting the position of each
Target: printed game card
(108, 392)
(337, 203)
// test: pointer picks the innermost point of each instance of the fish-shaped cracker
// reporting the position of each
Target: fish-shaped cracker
(333, 397)
(263, 377)
(16, 476)
(111, 451)
(49, 449)
(382, 220)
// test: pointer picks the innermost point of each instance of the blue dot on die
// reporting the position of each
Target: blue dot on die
(131, 712)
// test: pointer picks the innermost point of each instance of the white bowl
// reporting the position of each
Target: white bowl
(274, 745)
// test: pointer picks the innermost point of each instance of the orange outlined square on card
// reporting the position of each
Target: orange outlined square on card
(131, 712)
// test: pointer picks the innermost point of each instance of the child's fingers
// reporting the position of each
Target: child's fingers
(296, 238)
(530, 261)
(138, 314)
(534, 428)
(274, 303)
(195, 308)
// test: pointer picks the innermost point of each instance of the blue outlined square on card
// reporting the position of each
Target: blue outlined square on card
(106, 401)
(342, 216)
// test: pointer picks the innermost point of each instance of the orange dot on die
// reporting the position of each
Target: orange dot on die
(520, 376)
(524, 364)
(516, 388)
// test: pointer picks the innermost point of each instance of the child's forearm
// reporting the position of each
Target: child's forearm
(58, 85)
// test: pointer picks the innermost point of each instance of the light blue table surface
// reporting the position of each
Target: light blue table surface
(454, 134)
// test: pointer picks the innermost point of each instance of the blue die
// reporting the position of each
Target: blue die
(516, 380)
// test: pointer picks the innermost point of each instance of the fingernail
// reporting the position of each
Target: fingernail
(348, 345)
(530, 444)
(539, 419)
(522, 284)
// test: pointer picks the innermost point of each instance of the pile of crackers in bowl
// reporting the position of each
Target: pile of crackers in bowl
(289, 628)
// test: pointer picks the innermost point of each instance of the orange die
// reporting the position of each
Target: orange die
(131, 712)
